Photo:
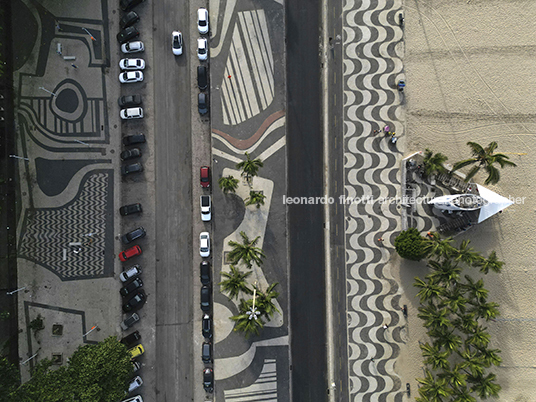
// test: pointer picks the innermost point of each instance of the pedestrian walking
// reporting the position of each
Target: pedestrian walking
(372, 360)
(385, 326)
(380, 239)
(386, 129)
(74, 65)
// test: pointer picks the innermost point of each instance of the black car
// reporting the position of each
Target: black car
(135, 234)
(206, 327)
(202, 103)
(208, 379)
(135, 284)
(206, 352)
(129, 19)
(127, 34)
(132, 168)
(130, 321)
(130, 154)
(205, 298)
(204, 268)
(134, 139)
(129, 101)
(135, 303)
(131, 339)
(131, 209)
(202, 81)
(128, 4)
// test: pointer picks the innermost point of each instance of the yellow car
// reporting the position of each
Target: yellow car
(136, 351)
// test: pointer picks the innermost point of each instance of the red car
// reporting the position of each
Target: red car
(129, 253)
(205, 176)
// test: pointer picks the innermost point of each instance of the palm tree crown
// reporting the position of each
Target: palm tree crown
(255, 197)
(235, 282)
(433, 163)
(250, 167)
(484, 158)
(246, 251)
(228, 184)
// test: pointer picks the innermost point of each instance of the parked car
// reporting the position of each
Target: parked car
(176, 43)
(136, 398)
(136, 351)
(208, 379)
(134, 139)
(127, 274)
(129, 19)
(135, 234)
(132, 64)
(202, 49)
(204, 269)
(132, 113)
(206, 326)
(205, 176)
(202, 103)
(205, 298)
(202, 77)
(131, 208)
(135, 384)
(206, 352)
(127, 34)
(204, 244)
(133, 47)
(130, 321)
(129, 77)
(136, 366)
(202, 20)
(129, 101)
(130, 154)
(206, 207)
(131, 287)
(128, 4)
(129, 253)
(131, 339)
(132, 168)
(135, 303)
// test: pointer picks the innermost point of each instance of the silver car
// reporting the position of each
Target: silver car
(133, 271)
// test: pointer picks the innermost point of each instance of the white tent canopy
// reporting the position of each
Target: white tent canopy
(496, 203)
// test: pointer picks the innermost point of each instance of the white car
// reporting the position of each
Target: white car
(135, 384)
(202, 48)
(132, 113)
(132, 64)
(134, 270)
(176, 43)
(202, 20)
(130, 76)
(204, 244)
(133, 47)
(136, 398)
(205, 208)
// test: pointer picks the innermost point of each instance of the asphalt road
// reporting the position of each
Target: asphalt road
(174, 367)
(304, 139)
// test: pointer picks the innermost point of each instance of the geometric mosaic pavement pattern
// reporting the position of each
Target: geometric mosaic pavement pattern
(371, 69)
(48, 234)
(263, 389)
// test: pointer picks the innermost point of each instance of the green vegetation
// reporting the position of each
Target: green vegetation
(433, 163)
(228, 184)
(10, 380)
(454, 309)
(255, 198)
(249, 167)
(37, 324)
(409, 244)
(484, 158)
(246, 251)
(235, 283)
(98, 372)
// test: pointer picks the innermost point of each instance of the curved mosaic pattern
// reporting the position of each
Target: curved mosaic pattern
(48, 232)
(371, 69)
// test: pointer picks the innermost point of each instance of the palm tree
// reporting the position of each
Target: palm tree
(255, 197)
(466, 323)
(430, 289)
(475, 289)
(490, 356)
(435, 357)
(433, 389)
(484, 158)
(433, 317)
(435, 246)
(228, 184)
(433, 163)
(488, 311)
(446, 272)
(250, 167)
(472, 361)
(467, 254)
(235, 282)
(247, 323)
(246, 251)
(264, 301)
(490, 263)
(485, 386)
(446, 339)
(478, 338)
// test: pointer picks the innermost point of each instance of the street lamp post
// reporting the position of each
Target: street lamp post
(82, 142)
(17, 290)
(19, 157)
(31, 357)
(253, 313)
(93, 328)
(89, 33)
(46, 90)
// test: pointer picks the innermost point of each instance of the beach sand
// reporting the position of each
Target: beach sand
(471, 76)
